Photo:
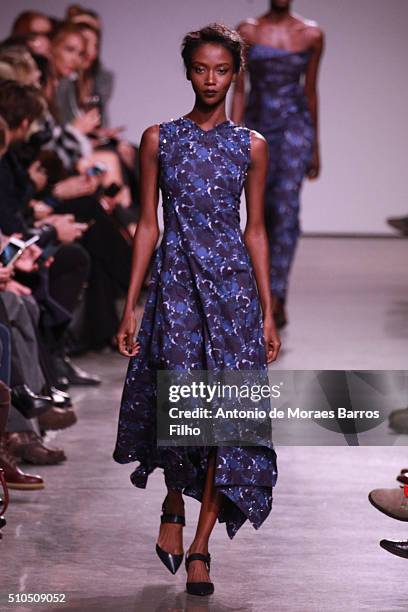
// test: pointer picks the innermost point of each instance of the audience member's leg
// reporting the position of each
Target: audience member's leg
(25, 339)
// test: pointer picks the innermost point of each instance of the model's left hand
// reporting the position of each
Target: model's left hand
(314, 167)
(272, 341)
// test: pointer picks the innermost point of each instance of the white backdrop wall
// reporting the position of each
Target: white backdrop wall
(363, 91)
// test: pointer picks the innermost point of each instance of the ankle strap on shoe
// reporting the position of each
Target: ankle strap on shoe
(199, 557)
(172, 518)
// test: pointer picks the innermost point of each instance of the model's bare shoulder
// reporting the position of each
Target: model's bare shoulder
(150, 139)
(247, 29)
(313, 32)
(259, 146)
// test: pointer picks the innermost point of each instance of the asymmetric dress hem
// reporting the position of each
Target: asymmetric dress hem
(202, 312)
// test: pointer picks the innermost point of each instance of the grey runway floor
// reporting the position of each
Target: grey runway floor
(90, 534)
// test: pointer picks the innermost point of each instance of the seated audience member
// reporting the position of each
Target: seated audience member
(34, 29)
(21, 363)
(57, 300)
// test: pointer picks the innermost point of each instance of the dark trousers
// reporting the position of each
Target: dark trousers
(110, 255)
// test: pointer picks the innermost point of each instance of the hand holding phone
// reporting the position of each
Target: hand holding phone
(14, 248)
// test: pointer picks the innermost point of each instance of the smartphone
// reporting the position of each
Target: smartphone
(48, 251)
(14, 248)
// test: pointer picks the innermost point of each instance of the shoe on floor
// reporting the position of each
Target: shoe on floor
(396, 548)
(403, 476)
(391, 502)
(28, 447)
(28, 403)
(398, 421)
(399, 223)
(14, 477)
(75, 375)
(60, 399)
(57, 418)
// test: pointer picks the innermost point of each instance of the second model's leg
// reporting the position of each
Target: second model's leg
(210, 507)
(290, 151)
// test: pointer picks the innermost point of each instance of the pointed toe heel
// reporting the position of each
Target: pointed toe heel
(199, 588)
(170, 560)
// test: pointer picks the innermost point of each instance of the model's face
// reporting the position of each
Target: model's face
(280, 5)
(91, 49)
(211, 73)
(68, 54)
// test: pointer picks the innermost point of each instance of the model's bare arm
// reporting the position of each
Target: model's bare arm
(238, 99)
(145, 239)
(311, 90)
(245, 29)
(256, 239)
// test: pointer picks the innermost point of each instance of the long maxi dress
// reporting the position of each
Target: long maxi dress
(202, 312)
(277, 107)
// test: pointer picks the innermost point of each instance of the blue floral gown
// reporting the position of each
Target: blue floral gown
(202, 312)
(277, 108)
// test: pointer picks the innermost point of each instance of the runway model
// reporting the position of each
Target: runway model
(284, 52)
(209, 305)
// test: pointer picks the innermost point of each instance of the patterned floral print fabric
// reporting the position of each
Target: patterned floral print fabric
(277, 108)
(202, 312)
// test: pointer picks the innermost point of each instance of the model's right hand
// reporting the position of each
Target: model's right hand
(125, 338)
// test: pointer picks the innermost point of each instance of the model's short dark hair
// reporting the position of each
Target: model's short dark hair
(19, 102)
(217, 33)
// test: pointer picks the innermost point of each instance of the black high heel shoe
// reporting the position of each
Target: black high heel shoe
(199, 588)
(170, 560)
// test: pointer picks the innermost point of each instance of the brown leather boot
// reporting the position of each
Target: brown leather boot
(15, 478)
(28, 446)
(57, 418)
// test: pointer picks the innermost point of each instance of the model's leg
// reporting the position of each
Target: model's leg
(171, 534)
(210, 507)
(293, 151)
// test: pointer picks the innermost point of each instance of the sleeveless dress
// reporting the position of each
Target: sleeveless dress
(277, 108)
(202, 312)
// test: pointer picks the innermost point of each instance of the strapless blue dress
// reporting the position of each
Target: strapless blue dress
(277, 108)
